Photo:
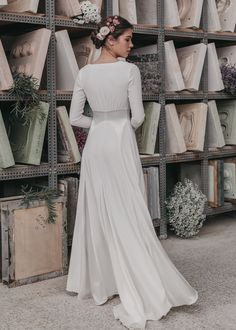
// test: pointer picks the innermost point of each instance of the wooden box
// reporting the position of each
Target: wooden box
(32, 248)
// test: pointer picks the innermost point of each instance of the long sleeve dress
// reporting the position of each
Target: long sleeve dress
(115, 249)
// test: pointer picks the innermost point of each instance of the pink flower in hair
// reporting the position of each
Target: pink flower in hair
(112, 28)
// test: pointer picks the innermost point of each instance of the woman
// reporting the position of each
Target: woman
(115, 248)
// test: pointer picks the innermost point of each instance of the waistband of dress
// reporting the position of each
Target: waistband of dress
(114, 114)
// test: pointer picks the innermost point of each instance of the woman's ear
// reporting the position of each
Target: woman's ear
(111, 40)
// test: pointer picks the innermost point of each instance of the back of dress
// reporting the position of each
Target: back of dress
(107, 87)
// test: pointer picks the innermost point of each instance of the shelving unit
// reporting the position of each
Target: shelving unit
(145, 35)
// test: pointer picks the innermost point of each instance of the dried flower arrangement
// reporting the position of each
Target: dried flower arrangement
(228, 72)
(185, 207)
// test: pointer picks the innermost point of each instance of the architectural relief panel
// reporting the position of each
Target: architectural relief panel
(190, 12)
(6, 80)
(192, 119)
(29, 52)
(20, 6)
(85, 51)
(213, 23)
(214, 130)
(174, 136)
(215, 82)
(227, 13)
(230, 179)
(191, 60)
(66, 64)
(173, 76)
(227, 55)
(128, 10)
(227, 114)
(67, 8)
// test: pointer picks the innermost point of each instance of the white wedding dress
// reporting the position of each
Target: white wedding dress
(115, 249)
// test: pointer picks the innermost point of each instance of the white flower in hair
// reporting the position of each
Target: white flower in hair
(104, 30)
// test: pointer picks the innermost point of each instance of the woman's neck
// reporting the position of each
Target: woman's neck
(106, 56)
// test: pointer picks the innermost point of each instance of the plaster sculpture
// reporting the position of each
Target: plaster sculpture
(213, 22)
(227, 13)
(192, 119)
(214, 130)
(66, 64)
(174, 80)
(3, 3)
(191, 60)
(6, 156)
(147, 12)
(215, 82)
(85, 51)
(227, 55)
(190, 12)
(128, 10)
(6, 80)
(67, 8)
(174, 136)
(227, 114)
(115, 7)
(230, 179)
(146, 134)
(29, 52)
(20, 6)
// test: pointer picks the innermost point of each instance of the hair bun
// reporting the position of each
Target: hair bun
(98, 43)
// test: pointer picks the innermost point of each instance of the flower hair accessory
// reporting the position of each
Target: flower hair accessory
(108, 28)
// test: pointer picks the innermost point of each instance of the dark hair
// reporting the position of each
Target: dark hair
(119, 29)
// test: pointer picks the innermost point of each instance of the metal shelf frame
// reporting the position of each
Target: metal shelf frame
(160, 34)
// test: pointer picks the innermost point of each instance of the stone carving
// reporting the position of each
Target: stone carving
(216, 183)
(20, 6)
(215, 82)
(115, 7)
(227, 13)
(173, 76)
(67, 8)
(213, 23)
(191, 60)
(190, 12)
(227, 113)
(85, 51)
(214, 130)
(174, 136)
(6, 156)
(146, 134)
(67, 146)
(192, 119)
(6, 80)
(3, 3)
(66, 64)
(230, 179)
(147, 12)
(128, 10)
(227, 55)
(29, 53)
(27, 139)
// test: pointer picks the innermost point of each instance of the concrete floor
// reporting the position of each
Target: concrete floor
(208, 262)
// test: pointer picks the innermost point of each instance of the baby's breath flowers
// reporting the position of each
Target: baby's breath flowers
(185, 208)
(90, 13)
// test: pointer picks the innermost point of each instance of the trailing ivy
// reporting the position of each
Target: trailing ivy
(45, 194)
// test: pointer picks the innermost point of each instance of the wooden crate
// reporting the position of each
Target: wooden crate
(32, 249)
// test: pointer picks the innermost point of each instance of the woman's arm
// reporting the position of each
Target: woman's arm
(135, 97)
(77, 106)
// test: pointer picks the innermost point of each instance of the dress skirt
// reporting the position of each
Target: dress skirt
(115, 249)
